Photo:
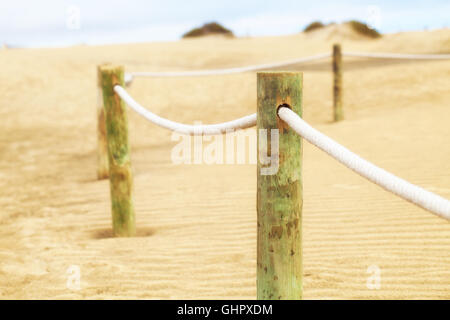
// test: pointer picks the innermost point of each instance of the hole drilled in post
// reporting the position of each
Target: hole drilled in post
(284, 105)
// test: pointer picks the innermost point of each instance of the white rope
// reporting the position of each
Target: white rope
(386, 180)
(398, 56)
(198, 73)
(210, 129)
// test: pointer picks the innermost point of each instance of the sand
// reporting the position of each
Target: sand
(197, 223)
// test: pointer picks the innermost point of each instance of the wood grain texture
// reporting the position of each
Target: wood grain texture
(120, 175)
(279, 194)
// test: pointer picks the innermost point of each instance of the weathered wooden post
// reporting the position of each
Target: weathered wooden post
(337, 83)
(120, 175)
(279, 195)
(102, 146)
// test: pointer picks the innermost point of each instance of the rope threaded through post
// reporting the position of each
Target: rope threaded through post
(279, 194)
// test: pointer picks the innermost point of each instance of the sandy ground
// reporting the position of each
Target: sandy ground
(197, 223)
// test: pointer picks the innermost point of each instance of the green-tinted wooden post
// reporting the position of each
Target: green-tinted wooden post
(120, 175)
(279, 195)
(102, 146)
(337, 83)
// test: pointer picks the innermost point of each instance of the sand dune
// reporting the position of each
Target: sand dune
(197, 223)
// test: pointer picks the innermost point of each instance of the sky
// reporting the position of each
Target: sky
(49, 23)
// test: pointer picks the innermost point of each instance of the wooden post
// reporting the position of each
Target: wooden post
(102, 146)
(337, 85)
(120, 175)
(279, 195)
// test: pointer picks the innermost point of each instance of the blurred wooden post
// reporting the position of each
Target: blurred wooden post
(279, 194)
(120, 175)
(337, 85)
(102, 146)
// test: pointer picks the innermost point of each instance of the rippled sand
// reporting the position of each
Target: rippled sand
(197, 223)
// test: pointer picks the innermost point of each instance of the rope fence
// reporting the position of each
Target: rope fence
(129, 77)
(279, 194)
(421, 197)
(397, 56)
(215, 72)
(211, 129)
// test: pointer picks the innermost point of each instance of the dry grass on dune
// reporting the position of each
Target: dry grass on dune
(197, 224)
